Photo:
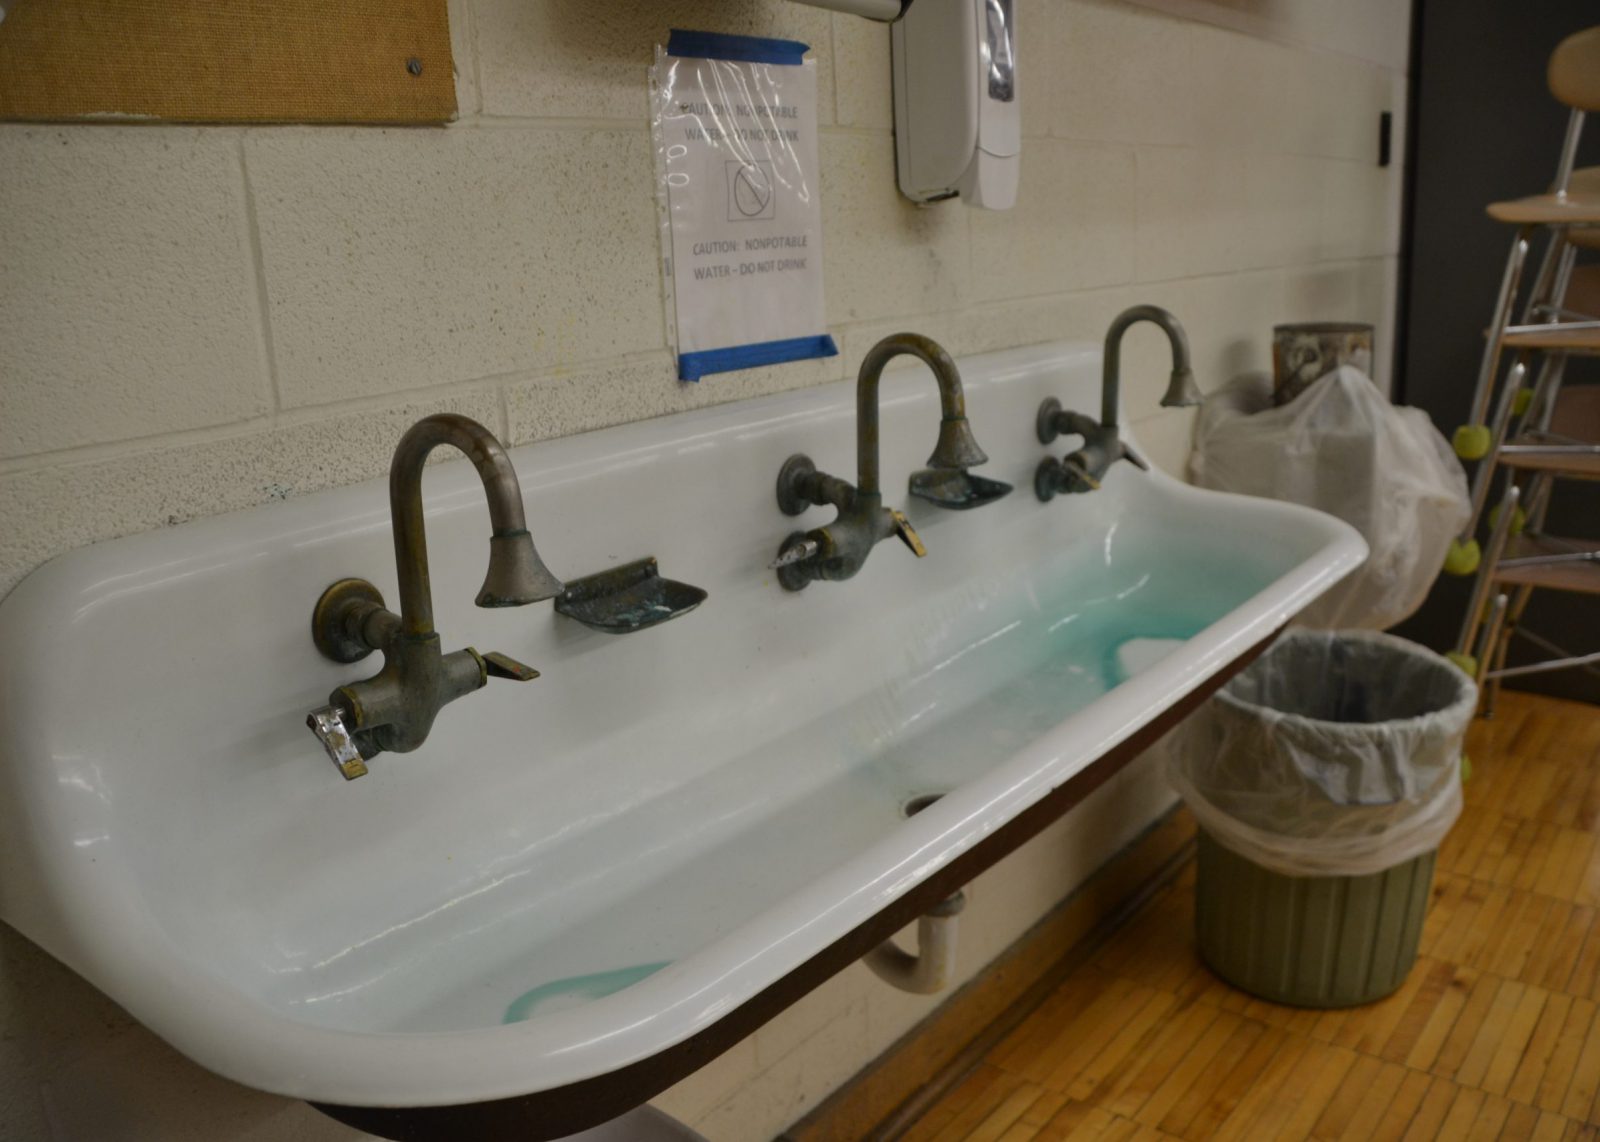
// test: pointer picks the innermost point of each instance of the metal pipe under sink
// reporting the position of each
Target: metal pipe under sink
(930, 969)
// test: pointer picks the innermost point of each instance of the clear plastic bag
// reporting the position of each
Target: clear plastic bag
(1333, 754)
(1341, 447)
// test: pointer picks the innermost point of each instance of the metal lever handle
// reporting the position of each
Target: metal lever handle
(328, 724)
(1135, 459)
(1081, 472)
(794, 553)
(504, 666)
(908, 534)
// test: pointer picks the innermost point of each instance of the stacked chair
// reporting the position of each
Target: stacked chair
(1540, 433)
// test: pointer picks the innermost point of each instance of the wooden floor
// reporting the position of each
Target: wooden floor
(1494, 1035)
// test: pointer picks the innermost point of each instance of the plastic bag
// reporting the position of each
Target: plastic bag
(1333, 754)
(1340, 446)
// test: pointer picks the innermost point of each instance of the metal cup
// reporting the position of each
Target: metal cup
(1304, 353)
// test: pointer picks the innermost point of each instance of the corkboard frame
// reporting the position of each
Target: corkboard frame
(243, 61)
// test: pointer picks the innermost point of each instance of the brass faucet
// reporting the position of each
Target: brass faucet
(395, 708)
(1103, 446)
(839, 550)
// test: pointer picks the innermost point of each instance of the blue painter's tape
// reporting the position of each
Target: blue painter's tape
(693, 366)
(741, 49)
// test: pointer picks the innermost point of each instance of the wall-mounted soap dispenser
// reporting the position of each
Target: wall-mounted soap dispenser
(957, 118)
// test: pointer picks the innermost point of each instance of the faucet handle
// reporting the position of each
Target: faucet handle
(504, 666)
(796, 549)
(328, 724)
(908, 534)
(1133, 457)
(1077, 468)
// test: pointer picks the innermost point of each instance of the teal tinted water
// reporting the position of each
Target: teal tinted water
(1043, 647)
(576, 990)
(977, 676)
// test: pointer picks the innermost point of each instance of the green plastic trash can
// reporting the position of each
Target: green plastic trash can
(1323, 778)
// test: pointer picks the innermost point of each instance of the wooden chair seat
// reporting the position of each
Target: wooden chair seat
(1576, 417)
(1579, 206)
(1548, 210)
(1583, 291)
(1580, 342)
(1581, 577)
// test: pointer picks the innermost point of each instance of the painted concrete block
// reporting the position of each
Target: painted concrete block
(127, 296)
(1120, 74)
(883, 255)
(1072, 228)
(862, 73)
(404, 259)
(567, 401)
(577, 60)
(44, 511)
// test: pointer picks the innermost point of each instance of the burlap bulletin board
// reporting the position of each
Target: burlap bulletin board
(227, 61)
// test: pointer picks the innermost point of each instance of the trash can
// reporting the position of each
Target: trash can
(1323, 778)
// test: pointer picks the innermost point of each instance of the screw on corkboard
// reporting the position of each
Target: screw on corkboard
(414, 65)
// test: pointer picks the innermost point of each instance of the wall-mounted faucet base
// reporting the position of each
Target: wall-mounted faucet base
(330, 619)
(792, 477)
(1046, 424)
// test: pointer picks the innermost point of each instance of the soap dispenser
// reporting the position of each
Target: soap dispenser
(957, 119)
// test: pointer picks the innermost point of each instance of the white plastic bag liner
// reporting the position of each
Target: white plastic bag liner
(1340, 446)
(1333, 754)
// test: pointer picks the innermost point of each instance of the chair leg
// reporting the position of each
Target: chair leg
(1472, 622)
(1490, 365)
(1483, 477)
(1497, 660)
(1495, 638)
(1542, 401)
(1539, 490)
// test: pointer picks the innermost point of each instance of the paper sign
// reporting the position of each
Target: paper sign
(735, 124)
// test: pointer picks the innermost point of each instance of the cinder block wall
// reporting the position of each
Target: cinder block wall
(197, 320)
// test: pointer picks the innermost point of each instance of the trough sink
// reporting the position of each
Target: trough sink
(581, 889)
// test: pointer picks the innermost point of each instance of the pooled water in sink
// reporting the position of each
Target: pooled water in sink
(942, 753)
(557, 995)
(985, 675)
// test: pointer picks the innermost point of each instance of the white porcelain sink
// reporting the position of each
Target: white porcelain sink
(576, 875)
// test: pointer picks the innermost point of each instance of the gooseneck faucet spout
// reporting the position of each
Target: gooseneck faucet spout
(1181, 387)
(516, 575)
(1103, 445)
(956, 447)
(839, 550)
(395, 708)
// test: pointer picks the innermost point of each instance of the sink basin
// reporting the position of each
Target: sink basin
(579, 881)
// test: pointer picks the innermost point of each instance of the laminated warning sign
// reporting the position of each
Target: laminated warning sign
(734, 120)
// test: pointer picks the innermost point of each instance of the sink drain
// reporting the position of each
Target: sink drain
(917, 804)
